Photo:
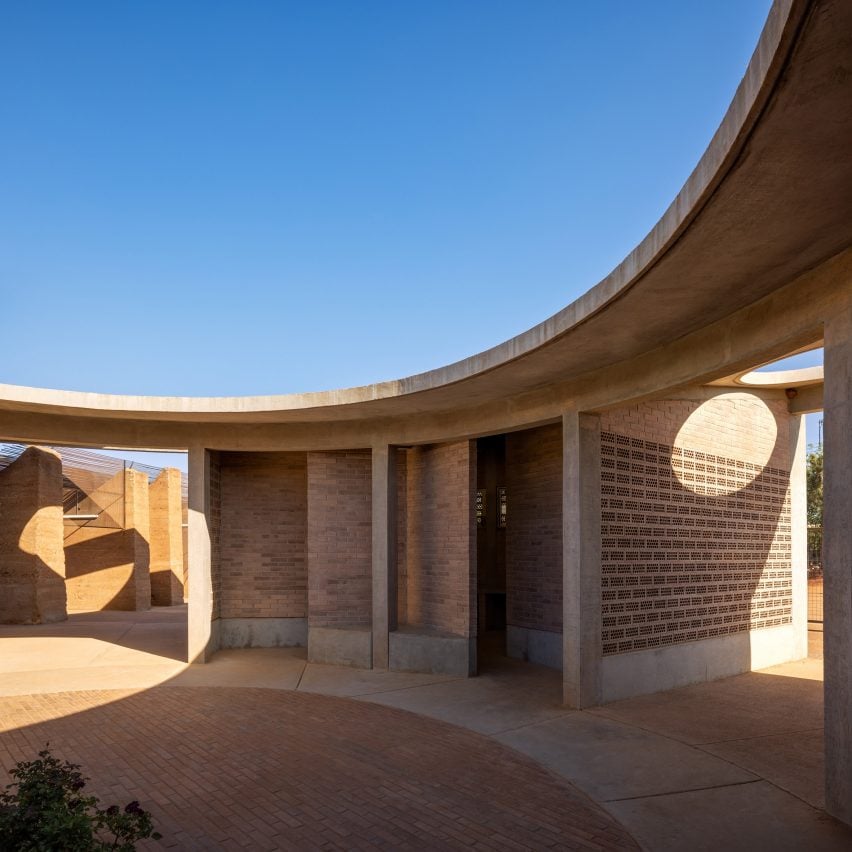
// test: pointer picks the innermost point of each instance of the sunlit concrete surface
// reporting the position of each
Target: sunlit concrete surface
(94, 650)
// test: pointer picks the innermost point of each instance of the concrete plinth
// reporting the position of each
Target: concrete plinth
(341, 646)
(534, 646)
(263, 632)
(432, 653)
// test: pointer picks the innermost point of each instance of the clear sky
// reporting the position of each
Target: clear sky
(212, 198)
(227, 198)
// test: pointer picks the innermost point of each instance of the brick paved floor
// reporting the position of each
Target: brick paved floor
(246, 768)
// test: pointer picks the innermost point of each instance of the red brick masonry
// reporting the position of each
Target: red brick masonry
(310, 772)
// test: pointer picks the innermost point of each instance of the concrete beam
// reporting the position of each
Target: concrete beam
(807, 400)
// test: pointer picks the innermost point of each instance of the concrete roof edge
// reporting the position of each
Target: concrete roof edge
(753, 92)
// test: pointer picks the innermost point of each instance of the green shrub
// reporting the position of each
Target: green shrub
(45, 810)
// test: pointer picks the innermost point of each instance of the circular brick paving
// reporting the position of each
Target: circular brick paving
(225, 768)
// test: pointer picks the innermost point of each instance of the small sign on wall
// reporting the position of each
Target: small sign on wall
(480, 508)
(502, 508)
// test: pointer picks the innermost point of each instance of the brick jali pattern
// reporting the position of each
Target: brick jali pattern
(309, 773)
(694, 545)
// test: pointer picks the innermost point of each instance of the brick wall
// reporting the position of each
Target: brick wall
(440, 535)
(166, 538)
(695, 520)
(262, 527)
(32, 562)
(340, 539)
(108, 567)
(534, 528)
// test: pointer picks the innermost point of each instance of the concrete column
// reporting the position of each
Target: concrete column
(581, 543)
(799, 533)
(837, 563)
(202, 633)
(384, 552)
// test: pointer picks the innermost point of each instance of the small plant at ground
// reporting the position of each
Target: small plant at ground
(46, 810)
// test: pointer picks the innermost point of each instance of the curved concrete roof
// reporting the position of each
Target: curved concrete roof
(770, 199)
(804, 377)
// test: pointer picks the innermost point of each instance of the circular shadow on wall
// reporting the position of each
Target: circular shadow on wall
(740, 426)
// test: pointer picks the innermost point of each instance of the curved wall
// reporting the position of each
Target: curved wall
(751, 261)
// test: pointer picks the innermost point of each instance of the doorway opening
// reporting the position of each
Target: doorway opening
(519, 547)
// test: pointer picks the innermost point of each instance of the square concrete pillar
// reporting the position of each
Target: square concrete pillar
(837, 564)
(581, 560)
(202, 535)
(166, 538)
(799, 534)
(32, 561)
(384, 552)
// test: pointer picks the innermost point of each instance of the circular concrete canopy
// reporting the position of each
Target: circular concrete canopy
(770, 199)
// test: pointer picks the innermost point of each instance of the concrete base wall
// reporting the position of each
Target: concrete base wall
(645, 672)
(340, 646)
(534, 646)
(432, 654)
(263, 632)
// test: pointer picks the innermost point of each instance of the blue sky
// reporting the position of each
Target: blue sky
(225, 198)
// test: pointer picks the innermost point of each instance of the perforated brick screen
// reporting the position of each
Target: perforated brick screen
(694, 545)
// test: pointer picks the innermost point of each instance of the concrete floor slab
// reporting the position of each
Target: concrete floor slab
(500, 700)
(45, 681)
(747, 817)
(610, 760)
(346, 681)
(43, 653)
(731, 709)
(266, 668)
(793, 762)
